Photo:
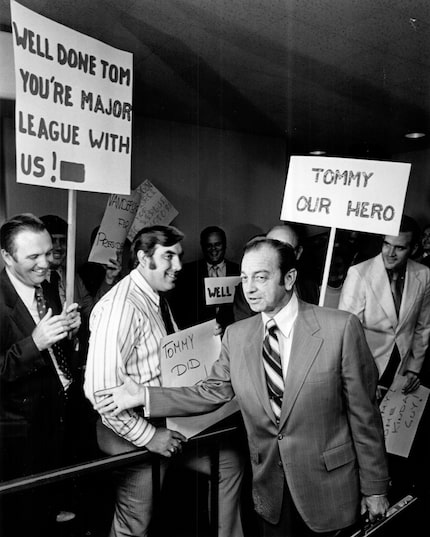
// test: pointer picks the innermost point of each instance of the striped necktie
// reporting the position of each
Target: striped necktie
(60, 357)
(273, 367)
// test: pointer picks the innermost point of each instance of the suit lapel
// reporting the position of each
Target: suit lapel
(254, 348)
(19, 313)
(304, 350)
(380, 285)
(410, 293)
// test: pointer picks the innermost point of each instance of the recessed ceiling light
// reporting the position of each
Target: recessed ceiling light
(415, 135)
(317, 152)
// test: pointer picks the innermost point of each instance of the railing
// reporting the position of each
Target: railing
(114, 461)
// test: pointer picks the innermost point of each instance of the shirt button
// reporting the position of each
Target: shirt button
(280, 436)
(280, 464)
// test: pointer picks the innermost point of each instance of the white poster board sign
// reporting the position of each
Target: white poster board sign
(220, 290)
(401, 414)
(354, 194)
(154, 209)
(73, 107)
(186, 359)
(117, 219)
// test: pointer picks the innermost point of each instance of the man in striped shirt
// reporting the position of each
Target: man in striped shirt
(127, 326)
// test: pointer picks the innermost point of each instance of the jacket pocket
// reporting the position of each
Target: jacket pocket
(338, 456)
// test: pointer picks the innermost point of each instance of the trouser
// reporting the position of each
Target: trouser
(134, 492)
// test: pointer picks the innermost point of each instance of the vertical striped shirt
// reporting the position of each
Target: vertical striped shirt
(126, 330)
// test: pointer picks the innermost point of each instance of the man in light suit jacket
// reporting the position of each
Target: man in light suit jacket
(398, 336)
(320, 454)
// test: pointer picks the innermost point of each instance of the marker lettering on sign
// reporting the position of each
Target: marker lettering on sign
(306, 203)
(171, 348)
(346, 177)
(32, 42)
(75, 59)
(365, 209)
(46, 88)
(51, 130)
(219, 292)
(109, 141)
(110, 107)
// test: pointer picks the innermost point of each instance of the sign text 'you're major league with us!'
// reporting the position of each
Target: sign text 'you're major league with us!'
(73, 107)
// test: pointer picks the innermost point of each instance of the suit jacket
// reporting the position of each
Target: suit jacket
(329, 442)
(366, 292)
(32, 399)
(188, 301)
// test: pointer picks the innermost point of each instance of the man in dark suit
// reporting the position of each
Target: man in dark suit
(35, 379)
(306, 289)
(188, 300)
(305, 382)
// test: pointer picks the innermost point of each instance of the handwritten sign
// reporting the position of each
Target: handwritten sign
(220, 290)
(154, 209)
(401, 414)
(73, 107)
(355, 194)
(117, 220)
(186, 359)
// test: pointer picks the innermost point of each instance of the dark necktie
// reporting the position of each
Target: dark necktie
(395, 291)
(273, 367)
(215, 270)
(165, 314)
(60, 357)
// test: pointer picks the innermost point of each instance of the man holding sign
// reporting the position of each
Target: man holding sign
(127, 326)
(390, 294)
(305, 383)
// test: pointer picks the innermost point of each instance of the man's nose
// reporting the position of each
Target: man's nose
(176, 263)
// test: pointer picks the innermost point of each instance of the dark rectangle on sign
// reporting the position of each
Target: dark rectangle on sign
(72, 171)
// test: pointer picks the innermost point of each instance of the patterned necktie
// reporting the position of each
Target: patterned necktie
(215, 271)
(60, 357)
(165, 314)
(273, 367)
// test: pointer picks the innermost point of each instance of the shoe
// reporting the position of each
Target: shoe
(65, 516)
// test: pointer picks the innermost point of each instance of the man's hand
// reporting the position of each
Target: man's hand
(113, 269)
(72, 318)
(375, 506)
(49, 330)
(166, 442)
(412, 382)
(114, 400)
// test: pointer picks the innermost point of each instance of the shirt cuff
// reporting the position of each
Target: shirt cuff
(146, 403)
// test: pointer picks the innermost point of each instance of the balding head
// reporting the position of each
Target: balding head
(288, 235)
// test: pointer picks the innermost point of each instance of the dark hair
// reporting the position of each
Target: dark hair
(286, 254)
(148, 238)
(204, 235)
(408, 224)
(54, 224)
(16, 224)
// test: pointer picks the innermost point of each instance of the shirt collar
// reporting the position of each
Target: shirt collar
(144, 286)
(25, 292)
(219, 265)
(285, 318)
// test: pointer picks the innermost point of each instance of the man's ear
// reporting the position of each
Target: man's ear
(6, 257)
(414, 249)
(290, 279)
(141, 257)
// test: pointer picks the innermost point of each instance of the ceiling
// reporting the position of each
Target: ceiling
(350, 77)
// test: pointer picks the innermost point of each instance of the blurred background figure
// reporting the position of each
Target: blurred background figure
(188, 300)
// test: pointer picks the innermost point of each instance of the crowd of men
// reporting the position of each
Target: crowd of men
(307, 380)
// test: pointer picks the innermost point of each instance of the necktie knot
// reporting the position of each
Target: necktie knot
(40, 301)
(271, 327)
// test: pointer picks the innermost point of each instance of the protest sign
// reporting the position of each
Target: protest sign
(220, 290)
(355, 194)
(401, 414)
(73, 107)
(154, 209)
(117, 219)
(186, 359)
